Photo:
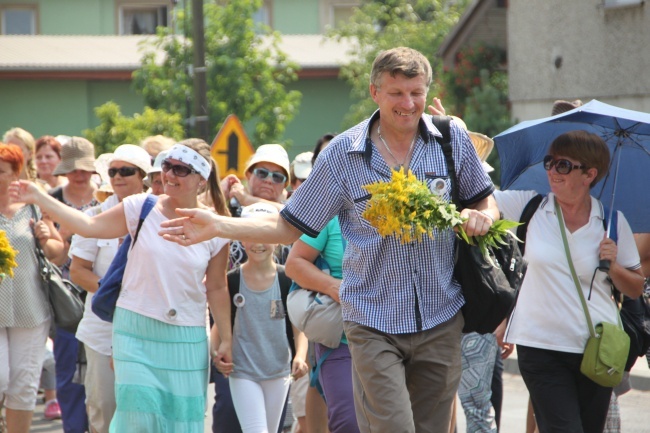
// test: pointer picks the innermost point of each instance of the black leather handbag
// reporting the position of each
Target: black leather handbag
(65, 298)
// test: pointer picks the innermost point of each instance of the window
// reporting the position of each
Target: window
(621, 3)
(336, 12)
(341, 14)
(142, 20)
(263, 14)
(18, 20)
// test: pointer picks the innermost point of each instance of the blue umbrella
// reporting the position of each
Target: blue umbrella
(627, 133)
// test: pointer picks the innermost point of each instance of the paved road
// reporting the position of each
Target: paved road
(635, 411)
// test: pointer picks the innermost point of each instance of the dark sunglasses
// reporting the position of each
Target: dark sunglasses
(562, 166)
(123, 171)
(177, 169)
(276, 177)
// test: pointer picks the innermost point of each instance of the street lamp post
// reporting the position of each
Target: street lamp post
(200, 110)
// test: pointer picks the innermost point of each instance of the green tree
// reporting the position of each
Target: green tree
(458, 83)
(246, 71)
(486, 110)
(382, 24)
(476, 90)
(116, 129)
(488, 113)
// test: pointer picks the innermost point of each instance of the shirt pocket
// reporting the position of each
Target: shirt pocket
(360, 205)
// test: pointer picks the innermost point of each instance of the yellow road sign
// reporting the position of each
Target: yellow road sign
(231, 148)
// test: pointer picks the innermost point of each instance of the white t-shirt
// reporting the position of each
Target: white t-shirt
(92, 330)
(164, 280)
(549, 314)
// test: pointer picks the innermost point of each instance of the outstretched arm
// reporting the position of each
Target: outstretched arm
(107, 225)
(198, 225)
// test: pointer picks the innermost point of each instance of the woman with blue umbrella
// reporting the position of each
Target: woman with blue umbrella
(549, 324)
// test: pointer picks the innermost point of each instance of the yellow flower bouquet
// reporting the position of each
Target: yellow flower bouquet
(7, 256)
(406, 209)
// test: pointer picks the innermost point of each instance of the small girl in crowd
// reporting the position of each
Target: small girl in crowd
(263, 338)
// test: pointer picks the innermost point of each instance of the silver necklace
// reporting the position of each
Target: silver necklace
(402, 164)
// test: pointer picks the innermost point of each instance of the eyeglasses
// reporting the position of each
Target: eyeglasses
(177, 169)
(562, 166)
(123, 171)
(276, 177)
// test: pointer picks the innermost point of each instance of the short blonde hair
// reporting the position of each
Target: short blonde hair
(22, 135)
(28, 140)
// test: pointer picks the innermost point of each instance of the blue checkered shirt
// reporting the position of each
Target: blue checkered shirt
(388, 286)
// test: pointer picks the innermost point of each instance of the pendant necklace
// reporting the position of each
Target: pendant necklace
(402, 164)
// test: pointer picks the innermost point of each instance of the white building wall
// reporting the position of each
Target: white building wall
(577, 49)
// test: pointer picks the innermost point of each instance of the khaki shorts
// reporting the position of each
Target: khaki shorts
(21, 361)
(297, 395)
(100, 390)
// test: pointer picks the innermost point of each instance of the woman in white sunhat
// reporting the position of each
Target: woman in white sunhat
(91, 257)
(78, 166)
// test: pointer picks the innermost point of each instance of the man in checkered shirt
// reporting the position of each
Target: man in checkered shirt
(400, 304)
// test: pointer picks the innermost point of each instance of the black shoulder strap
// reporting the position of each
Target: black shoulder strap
(285, 285)
(442, 124)
(148, 204)
(233, 288)
(524, 219)
(57, 193)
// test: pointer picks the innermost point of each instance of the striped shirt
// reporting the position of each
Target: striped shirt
(392, 287)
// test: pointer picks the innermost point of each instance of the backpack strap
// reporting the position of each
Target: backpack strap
(526, 215)
(442, 124)
(149, 203)
(285, 286)
(233, 277)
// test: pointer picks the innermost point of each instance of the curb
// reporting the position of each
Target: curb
(638, 381)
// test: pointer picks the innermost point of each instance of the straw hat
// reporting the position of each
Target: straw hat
(76, 154)
(560, 106)
(482, 143)
(105, 189)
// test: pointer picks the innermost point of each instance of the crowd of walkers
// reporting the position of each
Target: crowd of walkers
(205, 291)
